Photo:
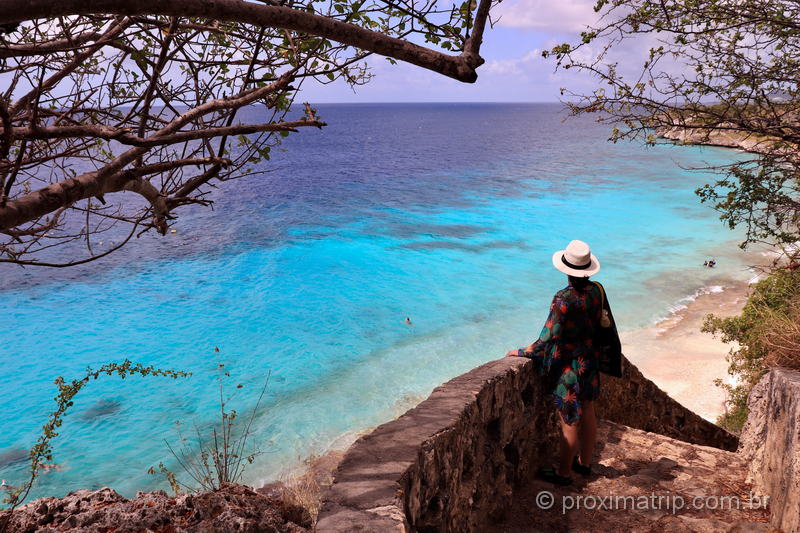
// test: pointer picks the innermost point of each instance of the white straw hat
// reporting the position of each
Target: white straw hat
(577, 260)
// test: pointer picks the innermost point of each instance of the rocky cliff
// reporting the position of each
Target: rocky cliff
(232, 508)
(729, 138)
(771, 444)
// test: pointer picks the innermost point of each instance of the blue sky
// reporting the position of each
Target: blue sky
(514, 70)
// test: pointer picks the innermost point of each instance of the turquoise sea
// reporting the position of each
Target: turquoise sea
(446, 214)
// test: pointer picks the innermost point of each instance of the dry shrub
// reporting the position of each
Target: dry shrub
(305, 488)
(782, 339)
(305, 491)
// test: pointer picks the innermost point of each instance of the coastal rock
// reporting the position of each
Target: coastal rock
(771, 443)
(233, 508)
(720, 137)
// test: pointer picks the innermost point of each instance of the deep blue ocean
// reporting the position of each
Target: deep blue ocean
(444, 213)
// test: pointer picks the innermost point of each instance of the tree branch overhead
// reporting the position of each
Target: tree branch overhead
(151, 97)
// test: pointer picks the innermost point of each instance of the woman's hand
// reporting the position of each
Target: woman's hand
(529, 349)
(521, 352)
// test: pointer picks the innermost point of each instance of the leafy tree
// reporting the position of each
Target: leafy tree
(101, 97)
(710, 68)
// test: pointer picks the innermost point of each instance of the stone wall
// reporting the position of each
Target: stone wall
(771, 442)
(635, 401)
(452, 462)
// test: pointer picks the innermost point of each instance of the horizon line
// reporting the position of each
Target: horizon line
(444, 102)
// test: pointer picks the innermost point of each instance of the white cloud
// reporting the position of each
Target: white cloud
(514, 70)
(567, 16)
(517, 65)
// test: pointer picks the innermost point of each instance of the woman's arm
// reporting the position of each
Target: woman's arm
(527, 351)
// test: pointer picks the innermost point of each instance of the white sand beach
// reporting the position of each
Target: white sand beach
(681, 359)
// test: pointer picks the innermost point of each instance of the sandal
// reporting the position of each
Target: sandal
(549, 474)
(584, 470)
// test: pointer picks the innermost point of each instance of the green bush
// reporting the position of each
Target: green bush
(771, 311)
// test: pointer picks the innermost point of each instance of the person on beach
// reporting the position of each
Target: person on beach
(572, 349)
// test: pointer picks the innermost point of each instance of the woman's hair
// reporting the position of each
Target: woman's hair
(578, 283)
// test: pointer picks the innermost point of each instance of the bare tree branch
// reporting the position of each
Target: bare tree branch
(123, 136)
(111, 96)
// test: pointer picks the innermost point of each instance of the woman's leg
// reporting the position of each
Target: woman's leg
(587, 433)
(569, 446)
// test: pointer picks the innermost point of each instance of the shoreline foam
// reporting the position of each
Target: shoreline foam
(681, 359)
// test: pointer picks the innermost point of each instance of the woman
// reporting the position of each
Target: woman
(568, 356)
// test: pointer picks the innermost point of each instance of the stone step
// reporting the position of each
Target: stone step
(643, 482)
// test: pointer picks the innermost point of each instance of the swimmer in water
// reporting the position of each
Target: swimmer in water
(408, 321)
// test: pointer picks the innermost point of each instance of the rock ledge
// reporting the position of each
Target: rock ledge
(233, 508)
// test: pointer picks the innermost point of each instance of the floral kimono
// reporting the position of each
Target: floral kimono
(565, 351)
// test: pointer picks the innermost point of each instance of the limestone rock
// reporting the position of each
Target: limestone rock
(721, 137)
(771, 443)
(234, 508)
